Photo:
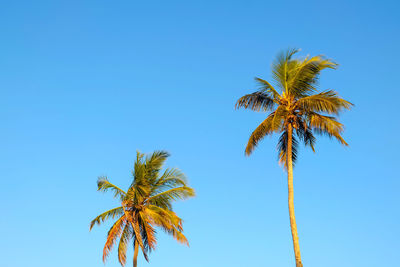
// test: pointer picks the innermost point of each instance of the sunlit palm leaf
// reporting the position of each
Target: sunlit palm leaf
(326, 125)
(104, 185)
(106, 215)
(259, 133)
(113, 234)
(126, 236)
(327, 101)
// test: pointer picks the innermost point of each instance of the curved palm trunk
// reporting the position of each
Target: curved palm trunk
(293, 226)
(135, 255)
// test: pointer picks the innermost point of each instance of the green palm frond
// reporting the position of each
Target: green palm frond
(139, 169)
(171, 178)
(156, 160)
(104, 185)
(106, 215)
(305, 73)
(327, 101)
(280, 68)
(182, 192)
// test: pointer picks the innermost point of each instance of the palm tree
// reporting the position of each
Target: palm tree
(297, 109)
(145, 205)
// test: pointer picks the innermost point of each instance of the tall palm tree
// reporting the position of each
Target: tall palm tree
(295, 109)
(145, 205)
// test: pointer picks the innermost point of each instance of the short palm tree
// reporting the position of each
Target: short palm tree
(296, 109)
(145, 205)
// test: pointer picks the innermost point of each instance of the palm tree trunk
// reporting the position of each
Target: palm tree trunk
(135, 255)
(293, 226)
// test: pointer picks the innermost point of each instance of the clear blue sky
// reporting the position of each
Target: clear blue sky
(84, 84)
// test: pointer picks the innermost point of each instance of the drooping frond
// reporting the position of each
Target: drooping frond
(257, 101)
(328, 102)
(163, 217)
(178, 235)
(326, 125)
(126, 236)
(282, 148)
(106, 215)
(113, 234)
(304, 132)
(308, 138)
(104, 185)
(265, 128)
(148, 233)
(168, 221)
(138, 233)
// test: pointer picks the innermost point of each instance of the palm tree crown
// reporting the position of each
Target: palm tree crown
(145, 205)
(296, 105)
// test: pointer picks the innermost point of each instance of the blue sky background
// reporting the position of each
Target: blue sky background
(84, 84)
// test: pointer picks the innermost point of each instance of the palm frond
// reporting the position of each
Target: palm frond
(267, 87)
(327, 101)
(106, 215)
(156, 160)
(153, 164)
(304, 75)
(265, 128)
(148, 234)
(139, 169)
(304, 132)
(280, 68)
(282, 148)
(126, 236)
(279, 117)
(138, 234)
(326, 125)
(113, 234)
(182, 192)
(168, 221)
(257, 101)
(307, 137)
(169, 179)
(104, 185)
